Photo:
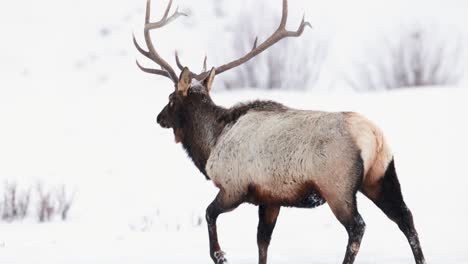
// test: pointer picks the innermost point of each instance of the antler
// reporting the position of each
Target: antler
(278, 35)
(166, 69)
(181, 67)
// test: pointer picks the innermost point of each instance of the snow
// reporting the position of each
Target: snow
(139, 195)
(75, 110)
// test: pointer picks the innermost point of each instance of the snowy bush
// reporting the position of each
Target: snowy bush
(415, 55)
(64, 201)
(45, 205)
(292, 63)
(15, 203)
(53, 202)
(48, 202)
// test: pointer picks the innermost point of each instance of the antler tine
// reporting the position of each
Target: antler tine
(284, 15)
(255, 43)
(152, 71)
(145, 53)
(147, 12)
(152, 54)
(168, 8)
(204, 63)
(278, 35)
(165, 19)
(140, 49)
(300, 29)
(179, 65)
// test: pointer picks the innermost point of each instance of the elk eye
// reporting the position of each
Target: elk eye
(171, 104)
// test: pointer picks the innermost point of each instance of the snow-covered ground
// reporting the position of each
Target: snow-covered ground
(75, 110)
(140, 198)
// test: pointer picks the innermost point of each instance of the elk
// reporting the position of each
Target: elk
(270, 155)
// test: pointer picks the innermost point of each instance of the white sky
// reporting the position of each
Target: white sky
(44, 38)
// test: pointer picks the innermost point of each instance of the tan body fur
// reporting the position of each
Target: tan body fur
(279, 154)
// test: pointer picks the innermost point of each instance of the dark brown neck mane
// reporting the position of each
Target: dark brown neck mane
(201, 129)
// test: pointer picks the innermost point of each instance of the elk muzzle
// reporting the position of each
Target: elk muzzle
(162, 119)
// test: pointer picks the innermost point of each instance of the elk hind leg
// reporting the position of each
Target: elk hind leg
(386, 194)
(342, 201)
(346, 212)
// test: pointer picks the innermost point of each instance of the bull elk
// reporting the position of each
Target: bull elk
(270, 155)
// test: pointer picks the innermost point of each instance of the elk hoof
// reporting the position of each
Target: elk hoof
(220, 257)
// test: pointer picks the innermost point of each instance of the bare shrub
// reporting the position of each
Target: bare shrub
(22, 203)
(46, 206)
(64, 201)
(417, 55)
(53, 201)
(289, 64)
(15, 202)
(49, 202)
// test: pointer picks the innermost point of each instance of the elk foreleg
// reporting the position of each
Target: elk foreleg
(267, 220)
(217, 207)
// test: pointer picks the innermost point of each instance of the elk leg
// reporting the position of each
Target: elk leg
(267, 216)
(346, 212)
(355, 228)
(387, 196)
(217, 207)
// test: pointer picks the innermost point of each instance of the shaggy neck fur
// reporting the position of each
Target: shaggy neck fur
(201, 129)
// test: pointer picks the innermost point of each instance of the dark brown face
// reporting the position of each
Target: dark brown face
(172, 114)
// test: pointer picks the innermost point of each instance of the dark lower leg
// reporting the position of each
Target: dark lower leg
(401, 215)
(406, 225)
(355, 229)
(216, 208)
(267, 220)
(346, 212)
(390, 200)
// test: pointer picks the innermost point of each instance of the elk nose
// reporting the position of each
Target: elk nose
(158, 119)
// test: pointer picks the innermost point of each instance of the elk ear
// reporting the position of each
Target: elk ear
(185, 81)
(208, 82)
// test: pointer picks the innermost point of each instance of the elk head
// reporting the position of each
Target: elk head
(174, 113)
